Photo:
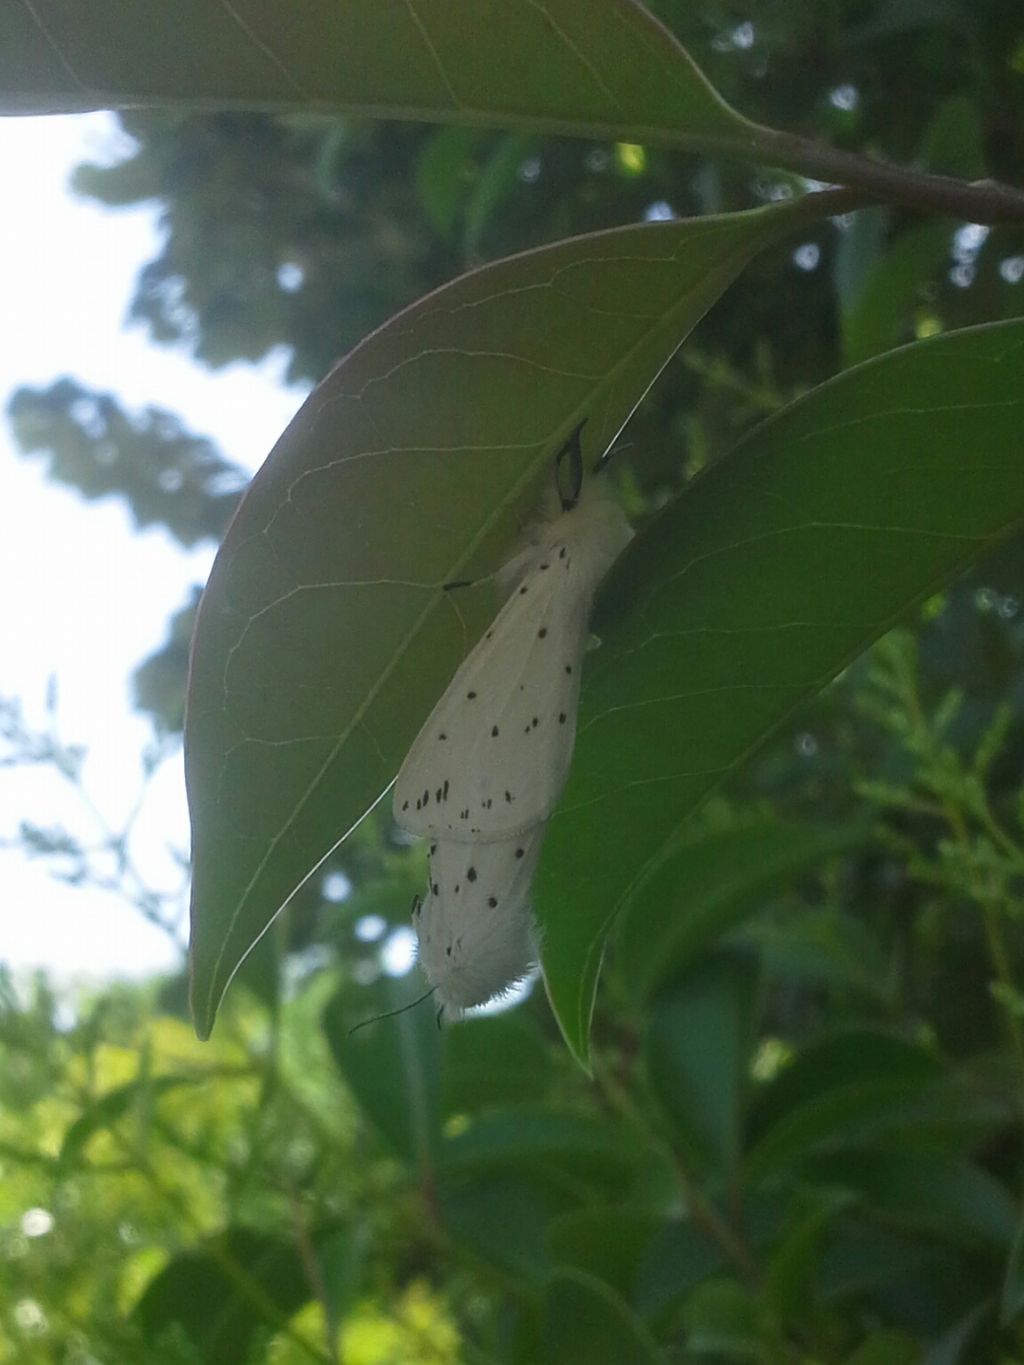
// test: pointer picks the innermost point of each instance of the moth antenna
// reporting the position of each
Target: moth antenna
(438, 1017)
(573, 451)
(609, 455)
(390, 1014)
(466, 582)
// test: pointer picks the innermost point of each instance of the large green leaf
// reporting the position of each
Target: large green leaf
(607, 67)
(324, 636)
(748, 594)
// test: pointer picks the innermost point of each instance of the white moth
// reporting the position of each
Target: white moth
(489, 765)
(494, 754)
(474, 926)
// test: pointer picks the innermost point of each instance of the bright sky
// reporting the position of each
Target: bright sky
(85, 598)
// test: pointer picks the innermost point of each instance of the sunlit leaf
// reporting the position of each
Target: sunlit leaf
(223, 1296)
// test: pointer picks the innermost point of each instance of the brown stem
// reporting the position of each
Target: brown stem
(314, 1277)
(979, 201)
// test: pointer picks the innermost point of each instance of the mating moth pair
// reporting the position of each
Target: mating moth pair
(489, 765)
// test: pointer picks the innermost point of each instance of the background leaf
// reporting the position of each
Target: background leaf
(212, 1296)
(835, 1089)
(586, 1323)
(697, 1051)
(393, 1068)
(925, 1188)
(707, 887)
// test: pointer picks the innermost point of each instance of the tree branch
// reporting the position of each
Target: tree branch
(979, 201)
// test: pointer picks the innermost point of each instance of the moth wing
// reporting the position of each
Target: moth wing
(494, 754)
(474, 927)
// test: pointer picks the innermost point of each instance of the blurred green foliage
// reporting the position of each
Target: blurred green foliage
(802, 1141)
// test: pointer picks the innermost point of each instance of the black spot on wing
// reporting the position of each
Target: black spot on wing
(492, 901)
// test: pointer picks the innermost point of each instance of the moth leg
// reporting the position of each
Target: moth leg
(569, 485)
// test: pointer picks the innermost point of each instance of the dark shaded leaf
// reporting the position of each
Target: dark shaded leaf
(697, 1050)
(580, 1148)
(504, 1220)
(838, 1088)
(393, 1068)
(496, 1059)
(680, 1257)
(1012, 1300)
(721, 1319)
(925, 1189)
(587, 1323)
(886, 1347)
(707, 887)
(607, 1243)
